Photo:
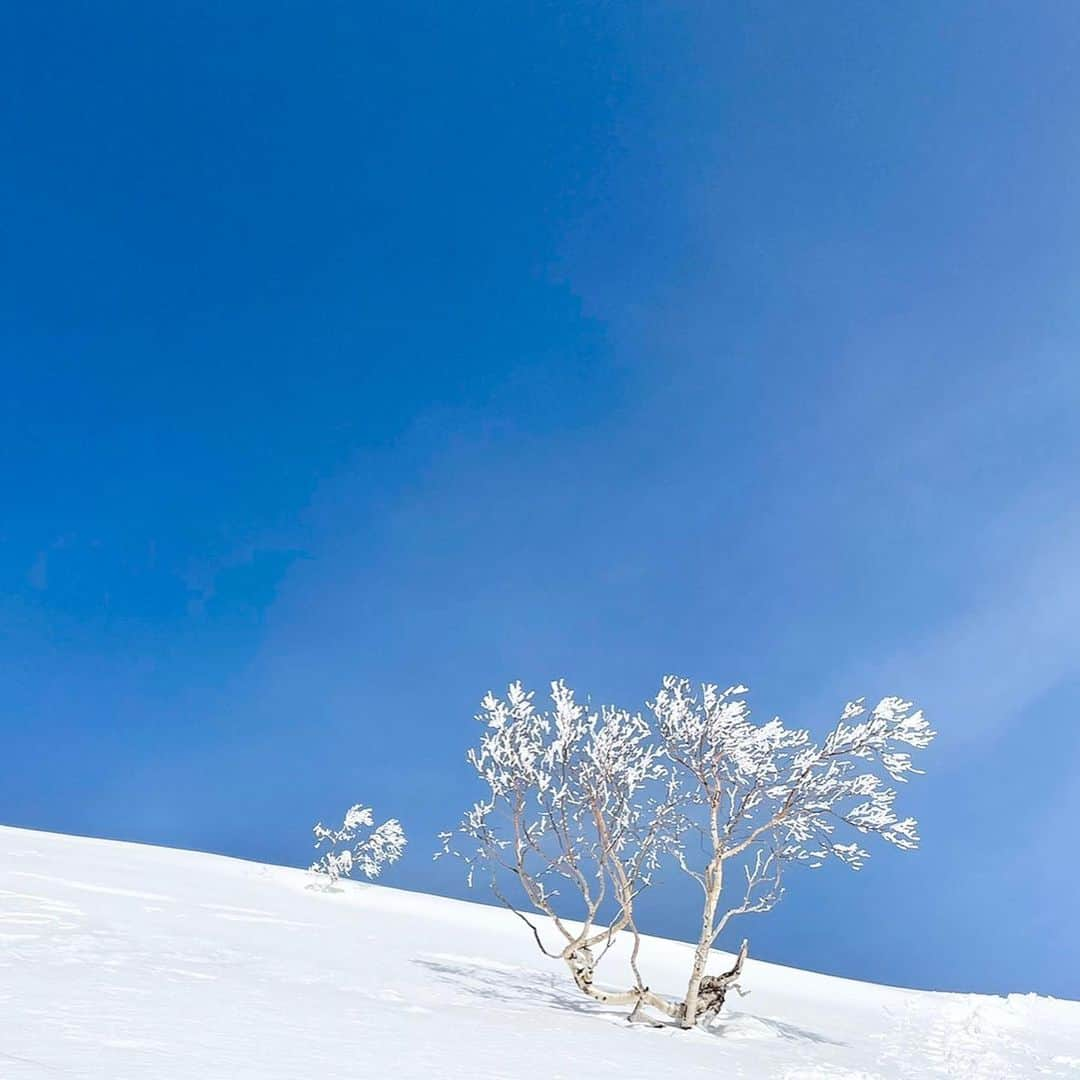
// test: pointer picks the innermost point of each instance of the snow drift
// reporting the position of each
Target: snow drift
(127, 962)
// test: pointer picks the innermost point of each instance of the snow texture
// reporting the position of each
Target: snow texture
(124, 962)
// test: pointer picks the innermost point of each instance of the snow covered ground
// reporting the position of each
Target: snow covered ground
(127, 962)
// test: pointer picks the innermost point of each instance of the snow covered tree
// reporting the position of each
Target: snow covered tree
(567, 818)
(582, 806)
(354, 847)
(764, 797)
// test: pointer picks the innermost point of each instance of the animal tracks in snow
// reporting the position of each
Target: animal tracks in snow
(970, 1037)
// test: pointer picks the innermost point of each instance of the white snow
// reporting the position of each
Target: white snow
(127, 962)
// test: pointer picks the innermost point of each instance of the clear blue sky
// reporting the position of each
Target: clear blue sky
(359, 359)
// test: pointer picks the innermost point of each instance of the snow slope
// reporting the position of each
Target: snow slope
(127, 962)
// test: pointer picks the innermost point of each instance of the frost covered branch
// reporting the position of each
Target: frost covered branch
(766, 796)
(567, 819)
(581, 807)
(350, 849)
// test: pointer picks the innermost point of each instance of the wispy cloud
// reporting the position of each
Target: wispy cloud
(981, 670)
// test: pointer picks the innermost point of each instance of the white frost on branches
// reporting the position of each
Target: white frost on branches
(567, 816)
(582, 806)
(765, 796)
(369, 853)
(769, 785)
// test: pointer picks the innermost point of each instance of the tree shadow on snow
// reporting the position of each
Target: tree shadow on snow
(525, 986)
(514, 986)
(743, 1025)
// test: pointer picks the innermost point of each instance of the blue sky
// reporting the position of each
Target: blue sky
(357, 361)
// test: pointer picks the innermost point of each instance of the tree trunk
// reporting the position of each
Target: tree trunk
(580, 962)
(713, 886)
(712, 989)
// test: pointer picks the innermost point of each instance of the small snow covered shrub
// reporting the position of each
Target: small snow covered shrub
(358, 844)
(581, 808)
